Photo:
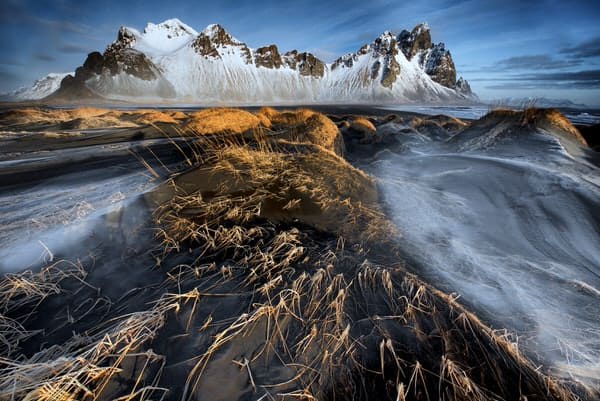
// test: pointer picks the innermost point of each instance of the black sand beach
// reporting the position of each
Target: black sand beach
(348, 254)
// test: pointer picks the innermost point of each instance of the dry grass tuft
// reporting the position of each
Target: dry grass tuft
(154, 117)
(178, 115)
(222, 121)
(362, 125)
(305, 184)
(551, 120)
(305, 126)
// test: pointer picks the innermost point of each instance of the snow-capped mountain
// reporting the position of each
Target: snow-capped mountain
(40, 89)
(173, 62)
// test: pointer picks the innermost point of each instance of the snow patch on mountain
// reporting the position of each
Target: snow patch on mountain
(159, 39)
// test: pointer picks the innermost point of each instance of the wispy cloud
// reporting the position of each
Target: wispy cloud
(62, 26)
(44, 57)
(544, 85)
(11, 62)
(583, 76)
(72, 48)
(587, 49)
(534, 62)
(586, 79)
(7, 75)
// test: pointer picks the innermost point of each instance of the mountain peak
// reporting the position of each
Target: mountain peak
(219, 36)
(173, 26)
(420, 28)
(211, 29)
(416, 41)
(126, 35)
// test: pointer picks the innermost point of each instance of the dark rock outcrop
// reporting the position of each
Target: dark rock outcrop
(131, 62)
(267, 57)
(305, 63)
(386, 46)
(435, 59)
(119, 57)
(204, 47)
(93, 64)
(72, 87)
(207, 43)
(346, 60)
(418, 40)
(219, 36)
(439, 66)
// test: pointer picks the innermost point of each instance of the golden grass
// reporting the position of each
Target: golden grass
(547, 119)
(288, 117)
(362, 125)
(96, 123)
(178, 115)
(552, 119)
(306, 126)
(154, 117)
(222, 121)
(305, 184)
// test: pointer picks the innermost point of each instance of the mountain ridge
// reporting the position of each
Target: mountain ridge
(172, 62)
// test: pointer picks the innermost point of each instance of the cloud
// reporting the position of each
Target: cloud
(12, 11)
(534, 62)
(61, 26)
(44, 57)
(587, 49)
(586, 79)
(72, 48)
(592, 85)
(11, 62)
(17, 12)
(8, 76)
(584, 76)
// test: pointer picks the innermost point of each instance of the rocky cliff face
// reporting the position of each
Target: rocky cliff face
(305, 63)
(439, 65)
(435, 59)
(463, 86)
(417, 41)
(171, 60)
(215, 37)
(267, 57)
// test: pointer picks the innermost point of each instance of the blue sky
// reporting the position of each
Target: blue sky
(504, 48)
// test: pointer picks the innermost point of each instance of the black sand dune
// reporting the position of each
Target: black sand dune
(252, 260)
